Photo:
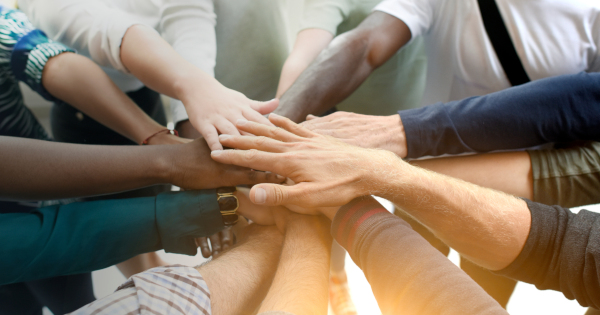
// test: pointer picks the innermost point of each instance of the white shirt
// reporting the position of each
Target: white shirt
(251, 39)
(551, 37)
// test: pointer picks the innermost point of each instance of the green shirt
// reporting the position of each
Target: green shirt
(87, 236)
(398, 84)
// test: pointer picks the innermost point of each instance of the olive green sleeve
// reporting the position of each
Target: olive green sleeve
(87, 236)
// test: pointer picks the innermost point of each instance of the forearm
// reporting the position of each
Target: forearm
(301, 281)
(238, 279)
(486, 226)
(509, 172)
(309, 43)
(333, 76)
(426, 283)
(558, 109)
(154, 62)
(81, 83)
(34, 169)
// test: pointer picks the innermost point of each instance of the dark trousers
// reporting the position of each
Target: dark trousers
(60, 294)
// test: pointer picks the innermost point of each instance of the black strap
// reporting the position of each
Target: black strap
(503, 45)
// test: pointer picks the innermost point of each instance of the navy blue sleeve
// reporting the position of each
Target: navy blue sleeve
(559, 109)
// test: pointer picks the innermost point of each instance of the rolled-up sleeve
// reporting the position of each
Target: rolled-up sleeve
(29, 57)
(561, 253)
(418, 15)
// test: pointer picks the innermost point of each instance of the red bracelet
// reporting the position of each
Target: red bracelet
(173, 132)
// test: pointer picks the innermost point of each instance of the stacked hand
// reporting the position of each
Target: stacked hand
(327, 172)
(189, 166)
(214, 110)
(372, 132)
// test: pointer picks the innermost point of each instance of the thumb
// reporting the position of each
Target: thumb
(270, 194)
(265, 107)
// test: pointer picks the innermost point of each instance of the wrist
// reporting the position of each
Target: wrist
(396, 135)
(194, 83)
(388, 176)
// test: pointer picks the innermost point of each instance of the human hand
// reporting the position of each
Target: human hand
(327, 172)
(189, 166)
(214, 110)
(219, 242)
(371, 132)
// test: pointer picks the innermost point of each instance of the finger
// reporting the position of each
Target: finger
(267, 131)
(265, 107)
(251, 177)
(252, 142)
(227, 238)
(224, 126)
(256, 117)
(212, 137)
(202, 242)
(311, 117)
(276, 195)
(290, 126)
(253, 159)
(215, 243)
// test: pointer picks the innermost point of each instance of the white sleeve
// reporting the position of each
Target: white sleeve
(418, 15)
(91, 27)
(189, 26)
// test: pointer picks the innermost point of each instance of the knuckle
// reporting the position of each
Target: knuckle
(259, 141)
(278, 194)
(250, 154)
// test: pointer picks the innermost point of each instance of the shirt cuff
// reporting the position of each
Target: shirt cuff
(430, 131)
(416, 15)
(183, 216)
(29, 57)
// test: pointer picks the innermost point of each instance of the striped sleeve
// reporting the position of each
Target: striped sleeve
(29, 57)
(407, 275)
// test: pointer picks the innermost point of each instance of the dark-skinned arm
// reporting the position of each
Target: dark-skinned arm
(35, 169)
(343, 66)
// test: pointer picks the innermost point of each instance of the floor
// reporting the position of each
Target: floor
(526, 299)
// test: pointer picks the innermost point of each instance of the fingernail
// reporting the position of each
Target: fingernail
(216, 152)
(241, 122)
(260, 195)
(224, 137)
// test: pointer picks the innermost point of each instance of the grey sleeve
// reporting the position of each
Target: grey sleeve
(562, 253)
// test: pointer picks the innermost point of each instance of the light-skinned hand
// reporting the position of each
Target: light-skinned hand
(214, 110)
(366, 131)
(327, 171)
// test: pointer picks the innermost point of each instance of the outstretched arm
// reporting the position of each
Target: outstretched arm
(114, 38)
(344, 65)
(212, 107)
(239, 279)
(79, 82)
(557, 109)
(34, 169)
(308, 45)
(301, 282)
